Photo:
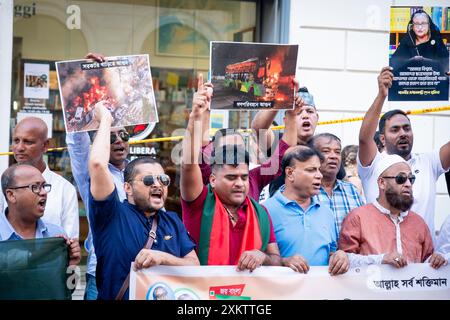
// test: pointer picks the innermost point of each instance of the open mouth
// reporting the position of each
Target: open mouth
(306, 125)
(119, 149)
(156, 195)
(41, 204)
(316, 185)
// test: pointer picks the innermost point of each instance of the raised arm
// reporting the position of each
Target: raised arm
(102, 184)
(367, 147)
(290, 120)
(78, 145)
(262, 121)
(191, 177)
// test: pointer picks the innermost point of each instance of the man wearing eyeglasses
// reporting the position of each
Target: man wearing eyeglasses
(29, 144)
(122, 228)
(387, 231)
(397, 136)
(26, 193)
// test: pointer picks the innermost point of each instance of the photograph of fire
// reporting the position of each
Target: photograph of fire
(252, 76)
(124, 83)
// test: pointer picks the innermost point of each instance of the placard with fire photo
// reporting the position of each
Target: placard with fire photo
(252, 76)
(123, 82)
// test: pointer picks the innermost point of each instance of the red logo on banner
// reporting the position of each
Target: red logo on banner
(226, 291)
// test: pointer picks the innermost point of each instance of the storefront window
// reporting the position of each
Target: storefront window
(175, 34)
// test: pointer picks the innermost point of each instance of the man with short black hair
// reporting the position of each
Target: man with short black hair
(305, 229)
(121, 229)
(397, 137)
(229, 227)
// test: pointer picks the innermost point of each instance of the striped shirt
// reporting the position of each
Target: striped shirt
(344, 198)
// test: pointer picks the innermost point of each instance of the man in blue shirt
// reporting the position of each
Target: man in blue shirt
(305, 230)
(121, 229)
(78, 144)
(340, 196)
(25, 191)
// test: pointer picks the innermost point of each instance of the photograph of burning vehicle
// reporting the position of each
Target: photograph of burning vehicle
(124, 83)
(252, 76)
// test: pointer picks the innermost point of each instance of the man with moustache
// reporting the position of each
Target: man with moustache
(397, 137)
(305, 229)
(229, 227)
(340, 196)
(26, 193)
(122, 228)
(386, 231)
(29, 144)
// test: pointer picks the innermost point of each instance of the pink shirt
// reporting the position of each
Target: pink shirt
(366, 231)
(192, 215)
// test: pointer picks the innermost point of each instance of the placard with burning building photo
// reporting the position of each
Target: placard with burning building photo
(252, 76)
(124, 82)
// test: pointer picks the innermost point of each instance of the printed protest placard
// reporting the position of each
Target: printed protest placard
(252, 76)
(419, 53)
(36, 78)
(124, 82)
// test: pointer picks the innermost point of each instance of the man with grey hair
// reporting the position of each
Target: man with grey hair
(340, 196)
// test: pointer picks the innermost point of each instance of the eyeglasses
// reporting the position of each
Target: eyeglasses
(422, 24)
(402, 177)
(36, 188)
(149, 180)
(121, 134)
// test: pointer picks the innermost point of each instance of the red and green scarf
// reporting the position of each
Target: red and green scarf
(214, 242)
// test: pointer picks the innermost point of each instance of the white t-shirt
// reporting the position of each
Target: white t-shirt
(62, 204)
(427, 168)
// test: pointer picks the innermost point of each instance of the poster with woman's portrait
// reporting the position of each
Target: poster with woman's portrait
(419, 53)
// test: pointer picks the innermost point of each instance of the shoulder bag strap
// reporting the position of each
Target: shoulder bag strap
(148, 245)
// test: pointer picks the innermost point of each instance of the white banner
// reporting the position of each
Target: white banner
(416, 281)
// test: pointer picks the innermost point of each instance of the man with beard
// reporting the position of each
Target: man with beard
(29, 144)
(397, 137)
(122, 228)
(340, 196)
(386, 231)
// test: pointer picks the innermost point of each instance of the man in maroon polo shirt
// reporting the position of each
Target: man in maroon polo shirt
(229, 227)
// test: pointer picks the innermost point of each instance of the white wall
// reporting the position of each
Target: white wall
(342, 47)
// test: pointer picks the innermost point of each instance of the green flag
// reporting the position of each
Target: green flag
(34, 269)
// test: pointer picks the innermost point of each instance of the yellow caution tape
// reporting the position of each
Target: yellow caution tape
(178, 138)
